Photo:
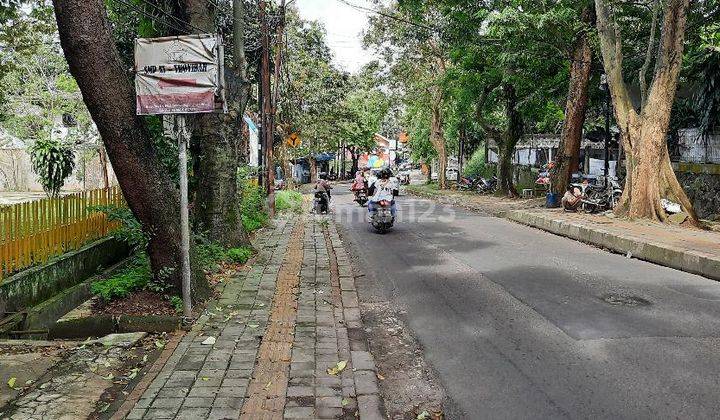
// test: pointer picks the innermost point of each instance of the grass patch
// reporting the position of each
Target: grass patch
(424, 189)
(130, 279)
(239, 255)
(290, 201)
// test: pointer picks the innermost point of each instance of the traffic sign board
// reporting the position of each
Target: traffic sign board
(294, 140)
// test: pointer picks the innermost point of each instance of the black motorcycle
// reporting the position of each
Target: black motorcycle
(382, 219)
(322, 203)
(361, 197)
(487, 185)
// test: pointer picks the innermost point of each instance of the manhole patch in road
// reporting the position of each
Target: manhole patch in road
(619, 299)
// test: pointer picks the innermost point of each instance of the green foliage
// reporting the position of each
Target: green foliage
(209, 255)
(239, 255)
(53, 162)
(130, 279)
(37, 90)
(290, 201)
(130, 230)
(177, 303)
(252, 203)
(476, 166)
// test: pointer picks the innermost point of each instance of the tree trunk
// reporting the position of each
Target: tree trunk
(568, 157)
(355, 164)
(216, 209)
(437, 138)
(507, 142)
(103, 167)
(313, 169)
(644, 135)
(94, 61)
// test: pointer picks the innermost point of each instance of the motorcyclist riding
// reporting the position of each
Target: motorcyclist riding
(323, 184)
(382, 189)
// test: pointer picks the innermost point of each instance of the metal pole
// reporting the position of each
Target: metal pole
(182, 136)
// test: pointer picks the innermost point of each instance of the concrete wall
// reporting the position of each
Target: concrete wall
(37, 284)
(702, 185)
(16, 172)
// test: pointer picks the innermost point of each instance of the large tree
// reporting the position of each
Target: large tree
(643, 132)
(216, 209)
(108, 92)
(408, 39)
(568, 156)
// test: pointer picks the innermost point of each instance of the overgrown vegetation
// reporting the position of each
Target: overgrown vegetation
(130, 230)
(137, 275)
(130, 279)
(252, 202)
(476, 166)
(290, 201)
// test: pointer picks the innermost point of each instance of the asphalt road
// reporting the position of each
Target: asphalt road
(519, 323)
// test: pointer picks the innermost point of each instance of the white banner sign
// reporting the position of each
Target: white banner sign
(179, 75)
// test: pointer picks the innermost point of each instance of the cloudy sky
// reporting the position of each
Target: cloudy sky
(344, 25)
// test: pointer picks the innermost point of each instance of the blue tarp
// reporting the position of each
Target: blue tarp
(250, 123)
(324, 157)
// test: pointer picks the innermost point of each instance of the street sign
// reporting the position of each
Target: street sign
(179, 75)
(294, 140)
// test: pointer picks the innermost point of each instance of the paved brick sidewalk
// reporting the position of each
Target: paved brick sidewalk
(278, 327)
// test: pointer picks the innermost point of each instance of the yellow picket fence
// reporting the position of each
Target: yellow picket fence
(33, 232)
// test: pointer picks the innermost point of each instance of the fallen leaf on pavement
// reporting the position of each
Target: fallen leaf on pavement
(379, 376)
(339, 367)
(11, 382)
(423, 416)
(209, 341)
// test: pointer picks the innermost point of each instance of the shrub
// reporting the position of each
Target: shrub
(252, 207)
(209, 254)
(289, 201)
(130, 230)
(177, 303)
(239, 255)
(476, 166)
(132, 278)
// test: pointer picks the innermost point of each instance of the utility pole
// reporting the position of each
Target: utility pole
(272, 103)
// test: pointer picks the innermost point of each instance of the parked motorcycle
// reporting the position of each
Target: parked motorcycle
(321, 202)
(600, 197)
(487, 185)
(466, 184)
(404, 177)
(382, 219)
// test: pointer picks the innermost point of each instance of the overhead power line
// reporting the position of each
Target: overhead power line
(146, 14)
(190, 25)
(387, 15)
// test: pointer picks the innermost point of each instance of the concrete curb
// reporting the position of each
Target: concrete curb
(657, 253)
